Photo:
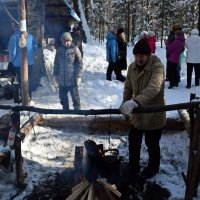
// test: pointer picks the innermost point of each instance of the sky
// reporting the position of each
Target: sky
(47, 150)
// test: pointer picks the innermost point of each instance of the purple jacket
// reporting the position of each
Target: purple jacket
(175, 49)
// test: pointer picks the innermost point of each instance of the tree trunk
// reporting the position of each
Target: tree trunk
(24, 58)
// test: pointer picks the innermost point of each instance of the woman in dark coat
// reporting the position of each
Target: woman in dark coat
(122, 47)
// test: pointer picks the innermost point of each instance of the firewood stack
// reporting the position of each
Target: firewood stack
(87, 165)
(97, 190)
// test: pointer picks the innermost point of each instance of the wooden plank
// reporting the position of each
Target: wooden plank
(85, 194)
(91, 192)
(77, 186)
(109, 187)
(110, 196)
(79, 190)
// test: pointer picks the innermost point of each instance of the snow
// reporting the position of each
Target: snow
(47, 150)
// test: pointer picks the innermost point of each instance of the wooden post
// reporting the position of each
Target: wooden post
(194, 160)
(24, 57)
(18, 154)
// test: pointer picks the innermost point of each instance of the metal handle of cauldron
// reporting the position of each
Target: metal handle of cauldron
(116, 152)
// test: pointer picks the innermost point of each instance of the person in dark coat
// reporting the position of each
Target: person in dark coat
(170, 39)
(77, 38)
(111, 57)
(68, 67)
(122, 50)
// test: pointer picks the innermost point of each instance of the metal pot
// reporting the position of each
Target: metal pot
(111, 162)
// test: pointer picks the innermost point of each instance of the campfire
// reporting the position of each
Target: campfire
(91, 164)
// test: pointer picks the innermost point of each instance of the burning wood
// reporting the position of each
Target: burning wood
(88, 165)
(99, 189)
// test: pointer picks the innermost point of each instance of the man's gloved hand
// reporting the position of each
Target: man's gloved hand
(78, 81)
(127, 107)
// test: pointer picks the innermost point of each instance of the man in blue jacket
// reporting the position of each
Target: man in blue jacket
(111, 57)
(14, 53)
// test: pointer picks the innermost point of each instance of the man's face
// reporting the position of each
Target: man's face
(141, 59)
(67, 43)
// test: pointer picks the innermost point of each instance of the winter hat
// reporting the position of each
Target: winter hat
(142, 47)
(120, 30)
(151, 34)
(176, 27)
(66, 37)
(195, 32)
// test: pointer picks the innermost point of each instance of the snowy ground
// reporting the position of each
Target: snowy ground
(48, 150)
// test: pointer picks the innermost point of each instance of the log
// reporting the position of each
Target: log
(26, 127)
(79, 190)
(100, 124)
(91, 192)
(185, 118)
(109, 187)
(194, 161)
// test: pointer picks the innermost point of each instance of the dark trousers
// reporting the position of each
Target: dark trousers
(152, 138)
(190, 67)
(113, 67)
(172, 73)
(18, 74)
(63, 95)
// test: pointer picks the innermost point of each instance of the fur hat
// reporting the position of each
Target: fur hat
(195, 32)
(142, 47)
(66, 36)
(120, 30)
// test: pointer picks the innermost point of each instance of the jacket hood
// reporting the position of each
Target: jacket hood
(194, 39)
(110, 36)
(195, 32)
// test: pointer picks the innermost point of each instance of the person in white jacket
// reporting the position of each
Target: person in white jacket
(192, 57)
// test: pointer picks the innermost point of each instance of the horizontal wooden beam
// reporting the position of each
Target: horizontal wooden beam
(9, 1)
(115, 124)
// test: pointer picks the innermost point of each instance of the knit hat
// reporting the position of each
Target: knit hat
(195, 32)
(66, 37)
(142, 47)
(120, 30)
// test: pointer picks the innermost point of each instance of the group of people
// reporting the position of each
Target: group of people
(67, 65)
(144, 84)
(175, 46)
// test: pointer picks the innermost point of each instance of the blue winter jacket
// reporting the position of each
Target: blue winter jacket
(14, 49)
(111, 48)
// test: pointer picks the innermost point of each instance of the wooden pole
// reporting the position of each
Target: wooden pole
(162, 23)
(18, 154)
(194, 160)
(24, 57)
